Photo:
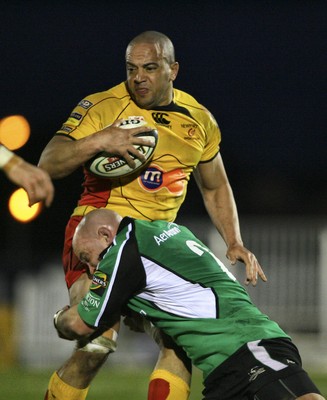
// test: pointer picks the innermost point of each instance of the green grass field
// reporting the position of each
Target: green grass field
(111, 383)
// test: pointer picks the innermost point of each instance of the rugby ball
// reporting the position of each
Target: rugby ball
(106, 165)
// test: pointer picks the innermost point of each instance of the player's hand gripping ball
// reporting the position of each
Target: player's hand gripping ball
(106, 165)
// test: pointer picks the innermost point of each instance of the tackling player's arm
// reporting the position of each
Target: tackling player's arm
(70, 325)
(219, 200)
(63, 155)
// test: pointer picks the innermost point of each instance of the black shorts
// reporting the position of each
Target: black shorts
(260, 370)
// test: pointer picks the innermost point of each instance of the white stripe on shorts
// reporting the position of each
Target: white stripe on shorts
(261, 354)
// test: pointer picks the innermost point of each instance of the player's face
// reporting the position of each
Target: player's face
(149, 76)
(89, 251)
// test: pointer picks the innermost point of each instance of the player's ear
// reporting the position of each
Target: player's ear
(174, 70)
(105, 233)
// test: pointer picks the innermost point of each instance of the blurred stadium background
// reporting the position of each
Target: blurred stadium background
(259, 66)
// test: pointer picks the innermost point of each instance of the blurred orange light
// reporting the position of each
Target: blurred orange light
(14, 131)
(19, 208)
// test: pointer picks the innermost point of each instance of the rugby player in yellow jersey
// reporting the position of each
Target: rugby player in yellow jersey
(189, 140)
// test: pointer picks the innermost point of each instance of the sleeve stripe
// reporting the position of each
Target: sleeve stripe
(114, 273)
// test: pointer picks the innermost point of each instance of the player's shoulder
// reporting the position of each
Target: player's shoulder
(186, 99)
(115, 93)
(196, 109)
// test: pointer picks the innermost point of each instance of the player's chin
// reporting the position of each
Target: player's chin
(144, 100)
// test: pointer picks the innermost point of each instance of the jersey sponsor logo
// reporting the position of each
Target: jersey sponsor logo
(113, 163)
(73, 121)
(191, 131)
(76, 116)
(66, 128)
(85, 104)
(90, 302)
(160, 118)
(154, 179)
(99, 280)
(194, 126)
(99, 283)
(190, 134)
(255, 372)
(134, 120)
(166, 234)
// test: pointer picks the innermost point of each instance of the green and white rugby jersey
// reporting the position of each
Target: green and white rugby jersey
(162, 271)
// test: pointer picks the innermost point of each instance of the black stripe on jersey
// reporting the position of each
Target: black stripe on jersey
(203, 162)
(123, 110)
(129, 280)
(173, 107)
(65, 135)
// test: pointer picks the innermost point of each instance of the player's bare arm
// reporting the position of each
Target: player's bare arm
(70, 325)
(219, 200)
(34, 180)
(62, 155)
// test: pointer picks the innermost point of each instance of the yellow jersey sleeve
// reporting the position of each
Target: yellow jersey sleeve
(95, 112)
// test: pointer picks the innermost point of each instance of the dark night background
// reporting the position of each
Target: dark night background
(258, 66)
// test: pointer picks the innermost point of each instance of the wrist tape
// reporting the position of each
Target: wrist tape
(102, 344)
(5, 156)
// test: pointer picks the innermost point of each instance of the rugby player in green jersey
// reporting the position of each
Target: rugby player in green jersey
(162, 272)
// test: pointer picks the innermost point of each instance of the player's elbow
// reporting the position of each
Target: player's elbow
(78, 328)
(52, 168)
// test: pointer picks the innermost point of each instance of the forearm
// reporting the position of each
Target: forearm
(8, 159)
(221, 207)
(220, 203)
(63, 156)
(70, 325)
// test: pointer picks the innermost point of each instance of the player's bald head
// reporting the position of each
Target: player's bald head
(91, 223)
(162, 42)
(95, 232)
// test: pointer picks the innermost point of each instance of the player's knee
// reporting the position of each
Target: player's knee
(90, 362)
(171, 362)
(311, 396)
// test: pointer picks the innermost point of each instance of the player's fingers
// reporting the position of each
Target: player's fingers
(255, 271)
(232, 259)
(127, 155)
(251, 267)
(34, 191)
(142, 141)
(36, 196)
(251, 276)
(49, 194)
(135, 152)
(42, 190)
(141, 129)
(31, 198)
(262, 274)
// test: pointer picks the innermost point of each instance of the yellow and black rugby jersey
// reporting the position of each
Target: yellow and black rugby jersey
(187, 135)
